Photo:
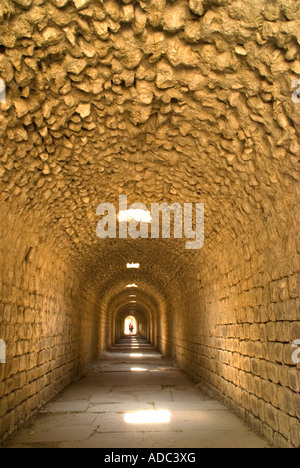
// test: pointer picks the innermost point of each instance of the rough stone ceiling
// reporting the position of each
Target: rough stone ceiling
(171, 101)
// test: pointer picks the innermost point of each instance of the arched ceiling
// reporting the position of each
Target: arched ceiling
(174, 101)
(139, 314)
(148, 298)
(152, 281)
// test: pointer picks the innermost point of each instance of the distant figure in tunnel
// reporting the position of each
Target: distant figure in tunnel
(131, 328)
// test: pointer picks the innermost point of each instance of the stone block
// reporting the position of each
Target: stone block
(271, 417)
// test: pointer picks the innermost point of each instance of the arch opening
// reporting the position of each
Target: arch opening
(131, 326)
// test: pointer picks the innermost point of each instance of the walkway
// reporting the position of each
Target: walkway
(132, 398)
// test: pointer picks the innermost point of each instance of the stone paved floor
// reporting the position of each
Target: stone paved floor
(132, 398)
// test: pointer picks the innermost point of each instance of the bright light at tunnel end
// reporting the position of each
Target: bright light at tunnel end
(133, 285)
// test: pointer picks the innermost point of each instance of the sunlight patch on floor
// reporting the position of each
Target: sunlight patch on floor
(148, 417)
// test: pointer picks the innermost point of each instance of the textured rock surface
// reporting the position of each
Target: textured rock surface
(163, 101)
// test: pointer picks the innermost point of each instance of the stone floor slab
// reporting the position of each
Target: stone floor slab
(66, 407)
(96, 411)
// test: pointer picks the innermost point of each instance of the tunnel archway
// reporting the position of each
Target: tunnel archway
(140, 316)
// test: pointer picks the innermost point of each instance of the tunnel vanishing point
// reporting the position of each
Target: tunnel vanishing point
(177, 101)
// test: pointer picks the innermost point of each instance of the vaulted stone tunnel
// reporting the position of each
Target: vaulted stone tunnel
(186, 101)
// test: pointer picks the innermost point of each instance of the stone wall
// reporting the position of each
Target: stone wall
(48, 321)
(247, 318)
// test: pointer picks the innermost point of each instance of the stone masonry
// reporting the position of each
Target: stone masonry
(162, 101)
